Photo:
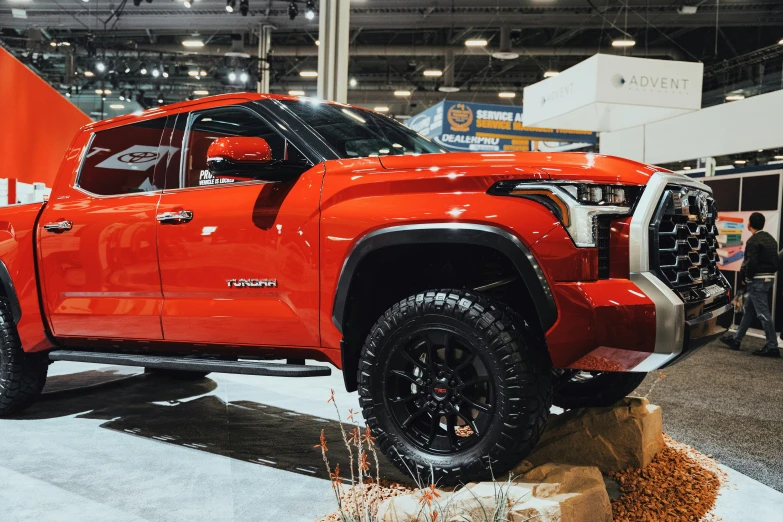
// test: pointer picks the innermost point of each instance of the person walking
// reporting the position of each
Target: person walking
(758, 276)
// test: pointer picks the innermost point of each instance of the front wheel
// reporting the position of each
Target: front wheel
(453, 386)
(595, 389)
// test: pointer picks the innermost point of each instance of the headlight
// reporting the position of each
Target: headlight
(576, 205)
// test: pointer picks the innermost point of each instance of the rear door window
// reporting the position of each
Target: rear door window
(126, 160)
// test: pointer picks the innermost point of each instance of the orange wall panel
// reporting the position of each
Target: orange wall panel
(39, 124)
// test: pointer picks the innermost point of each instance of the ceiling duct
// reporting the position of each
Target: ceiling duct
(505, 52)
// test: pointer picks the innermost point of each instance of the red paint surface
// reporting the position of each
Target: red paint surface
(38, 123)
(121, 275)
(610, 313)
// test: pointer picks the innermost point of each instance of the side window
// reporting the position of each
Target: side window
(209, 125)
(124, 160)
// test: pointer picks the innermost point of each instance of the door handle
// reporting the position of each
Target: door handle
(175, 218)
(58, 226)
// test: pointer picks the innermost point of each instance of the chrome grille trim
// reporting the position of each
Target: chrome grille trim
(669, 308)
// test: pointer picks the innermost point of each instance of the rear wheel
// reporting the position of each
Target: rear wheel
(449, 380)
(595, 389)
(22, 375)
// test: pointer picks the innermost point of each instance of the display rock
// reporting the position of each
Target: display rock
(626, 435)
(549, 493)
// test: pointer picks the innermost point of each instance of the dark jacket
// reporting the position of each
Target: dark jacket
(761, 256)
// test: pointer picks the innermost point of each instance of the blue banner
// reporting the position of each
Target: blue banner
(466, 126)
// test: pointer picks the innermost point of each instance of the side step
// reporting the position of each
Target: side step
(192, 364)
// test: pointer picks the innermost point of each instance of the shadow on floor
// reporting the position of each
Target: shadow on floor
(186, 413)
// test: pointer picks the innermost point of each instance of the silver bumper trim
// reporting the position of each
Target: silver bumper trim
(669, 308)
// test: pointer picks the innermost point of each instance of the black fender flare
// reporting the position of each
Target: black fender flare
(464, 233)
(10, 292)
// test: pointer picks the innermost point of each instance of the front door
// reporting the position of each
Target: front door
(239, 255)
(99, 261)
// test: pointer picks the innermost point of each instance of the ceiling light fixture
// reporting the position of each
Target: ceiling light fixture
(232, 76)
(448, 88)
(507, 94)
(623, 42)
(310, 9)
(381, 108)
(243, 77)
(740, 162)
(296, 93)
(244, 7)
(193, 43)
(143, 70)
(292, 10)
(475, 43)
(352, 82)
(116, 106)
(735, 97)
(188, 4)
(201, 93)
(402, 93)
(230, 5)
(550, 74)
(779, 157)
(89, 74)
(308, 74)
(433, 73)
(100, 67)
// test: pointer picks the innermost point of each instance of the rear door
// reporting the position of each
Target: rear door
(98, 249)
(241, 264)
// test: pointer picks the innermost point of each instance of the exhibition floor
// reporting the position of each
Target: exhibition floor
(240, 448)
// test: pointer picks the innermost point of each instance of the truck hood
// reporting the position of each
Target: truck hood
(575, 166)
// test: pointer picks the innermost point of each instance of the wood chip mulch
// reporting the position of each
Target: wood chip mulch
(680, 484)
(370, 493)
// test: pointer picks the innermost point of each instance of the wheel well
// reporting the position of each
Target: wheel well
(390, 274)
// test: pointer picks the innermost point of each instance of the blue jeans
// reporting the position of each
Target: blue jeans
(756, 305)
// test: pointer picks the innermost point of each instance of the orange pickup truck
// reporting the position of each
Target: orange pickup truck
(461, 294)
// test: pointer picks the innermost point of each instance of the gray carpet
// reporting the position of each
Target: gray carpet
(727, 404)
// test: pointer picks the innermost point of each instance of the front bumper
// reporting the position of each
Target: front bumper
(702, 330)
(639, 325)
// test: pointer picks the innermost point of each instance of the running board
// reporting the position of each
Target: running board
(192, 364)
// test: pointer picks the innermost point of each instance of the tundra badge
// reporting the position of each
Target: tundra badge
(252, 283)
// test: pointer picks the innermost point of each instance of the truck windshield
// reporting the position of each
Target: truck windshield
(357, 133)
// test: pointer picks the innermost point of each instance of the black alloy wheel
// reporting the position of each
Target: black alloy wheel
(454, 385)
(439, 390)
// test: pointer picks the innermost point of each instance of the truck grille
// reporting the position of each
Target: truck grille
(683, 242)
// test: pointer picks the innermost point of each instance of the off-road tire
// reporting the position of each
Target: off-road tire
(22, 375)
(181, 375)
(604, 389)
(519, 369)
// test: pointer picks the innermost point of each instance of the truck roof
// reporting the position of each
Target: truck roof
(165, 110)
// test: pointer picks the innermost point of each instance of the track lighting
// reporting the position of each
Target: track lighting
(244, 7)
(243, 77)
(232, 76)
(310, 9)
(292, 10)
(230, 5)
